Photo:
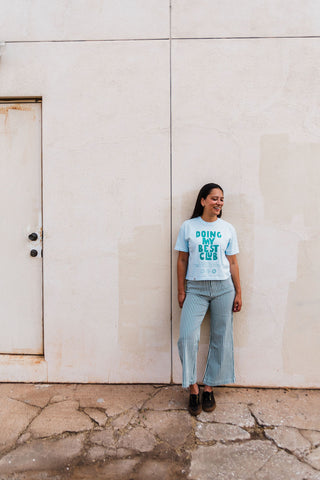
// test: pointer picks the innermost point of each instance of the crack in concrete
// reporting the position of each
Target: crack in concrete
(24, 402)
(14, 445)
(265, 463)
(89, 416)
(257, 422)
(151, 395)
(299, 458)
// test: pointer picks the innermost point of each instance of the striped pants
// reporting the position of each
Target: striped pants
(218, 295)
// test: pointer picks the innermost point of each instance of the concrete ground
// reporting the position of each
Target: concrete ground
(140, 432)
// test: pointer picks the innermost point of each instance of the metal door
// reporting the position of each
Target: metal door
(21, 229)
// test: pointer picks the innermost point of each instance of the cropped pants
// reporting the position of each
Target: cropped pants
(218, 295)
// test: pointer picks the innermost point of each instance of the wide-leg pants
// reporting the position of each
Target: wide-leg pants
(218, 295)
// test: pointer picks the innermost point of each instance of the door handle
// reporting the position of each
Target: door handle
(34, 253)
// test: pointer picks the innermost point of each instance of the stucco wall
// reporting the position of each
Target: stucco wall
(136, 117)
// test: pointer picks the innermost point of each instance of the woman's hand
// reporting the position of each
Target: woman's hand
(234, 270)
(237, 303)
(181, 298)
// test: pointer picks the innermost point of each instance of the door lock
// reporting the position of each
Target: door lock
(33, 237)
(34, 253)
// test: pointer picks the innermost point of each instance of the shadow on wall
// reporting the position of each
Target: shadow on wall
(301, 352)
(239, 211)
(289, 179)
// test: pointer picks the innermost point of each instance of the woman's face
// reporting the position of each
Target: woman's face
(213, 203)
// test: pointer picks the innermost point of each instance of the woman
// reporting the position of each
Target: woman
(207, 259)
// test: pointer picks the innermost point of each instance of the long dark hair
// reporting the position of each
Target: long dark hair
(204, 192)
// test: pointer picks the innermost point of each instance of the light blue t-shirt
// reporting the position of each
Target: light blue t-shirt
(208, 243)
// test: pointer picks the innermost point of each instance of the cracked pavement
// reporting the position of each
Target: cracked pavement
(138, 432)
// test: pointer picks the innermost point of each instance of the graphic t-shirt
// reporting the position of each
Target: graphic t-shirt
(208, 243)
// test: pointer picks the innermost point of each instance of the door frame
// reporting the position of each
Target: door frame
(28, 367)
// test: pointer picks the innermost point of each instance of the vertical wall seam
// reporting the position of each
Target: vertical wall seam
(171, 259)
(42, 229)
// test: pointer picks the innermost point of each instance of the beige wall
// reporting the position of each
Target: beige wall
(244, 106)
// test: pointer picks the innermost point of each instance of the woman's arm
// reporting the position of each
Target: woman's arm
(234, 270)
(182, 265)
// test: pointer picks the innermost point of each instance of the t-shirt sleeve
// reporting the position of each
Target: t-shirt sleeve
(181, 243)
(232, 247)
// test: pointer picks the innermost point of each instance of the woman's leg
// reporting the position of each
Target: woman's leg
(193, 311)
(220, 361)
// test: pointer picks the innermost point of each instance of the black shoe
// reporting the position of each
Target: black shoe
(208, 402)
(194, 404)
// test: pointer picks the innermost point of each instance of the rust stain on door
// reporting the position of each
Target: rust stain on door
(4, 110)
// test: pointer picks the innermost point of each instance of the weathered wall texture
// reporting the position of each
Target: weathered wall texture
(130, 109)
